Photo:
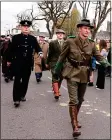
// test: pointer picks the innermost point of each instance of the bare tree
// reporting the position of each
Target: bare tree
(85, 7)
(101, 11)
(53, 11)
(29, 15)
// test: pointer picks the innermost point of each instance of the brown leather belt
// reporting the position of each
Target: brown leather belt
(81, 63)
(77, 63)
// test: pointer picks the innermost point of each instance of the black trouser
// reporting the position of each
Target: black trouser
(4, 66)
(108, 70)
(21, 84)
(100, 83)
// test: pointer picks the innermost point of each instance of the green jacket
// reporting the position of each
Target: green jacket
(53, 53)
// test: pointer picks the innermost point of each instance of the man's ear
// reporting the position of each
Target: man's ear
(20, 27)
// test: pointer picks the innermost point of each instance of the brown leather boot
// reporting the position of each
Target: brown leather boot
(59, 93)
(78, 108)
(73, 115)
(70, 112)
(59, 85)
(56, 90)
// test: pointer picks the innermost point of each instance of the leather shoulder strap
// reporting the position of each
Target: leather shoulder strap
(80, 49)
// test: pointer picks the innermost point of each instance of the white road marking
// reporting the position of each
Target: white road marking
(88, 113)
(63, 104)
(108, 114)
(49, 91)
(42, 94)
(86, 105)
(103, 112)
(50, 78)
(87, 101)
(63, 87)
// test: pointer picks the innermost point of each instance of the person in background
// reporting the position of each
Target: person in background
(97, 44)
(4, 52)
(100, 83)
(21, 51)
(108, 70)
(54, 51)
(38, 61)
(2, 39)
(93, 68)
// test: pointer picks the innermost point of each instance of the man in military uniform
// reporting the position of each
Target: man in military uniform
(21, 51)
(78, 52)
(54, 51)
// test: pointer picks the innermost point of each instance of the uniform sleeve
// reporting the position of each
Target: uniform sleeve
(37, 48)
(64, 52)
(50, 52)
(2, 48)
(11, 49)
(45, 50)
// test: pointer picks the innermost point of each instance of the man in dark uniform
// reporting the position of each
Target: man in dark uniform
(54, 51)
(21, 51)
(78, 52)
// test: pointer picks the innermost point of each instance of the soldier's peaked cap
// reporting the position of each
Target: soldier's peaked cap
(60, 31)
(25, 23)
(85, 22)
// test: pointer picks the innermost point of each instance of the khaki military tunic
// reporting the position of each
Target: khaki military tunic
(71, 50)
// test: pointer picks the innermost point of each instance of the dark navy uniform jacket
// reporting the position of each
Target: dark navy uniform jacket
(21, 51)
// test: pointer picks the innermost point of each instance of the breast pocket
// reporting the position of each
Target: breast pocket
(75, 54)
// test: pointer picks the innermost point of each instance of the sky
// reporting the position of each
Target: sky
(9, 10)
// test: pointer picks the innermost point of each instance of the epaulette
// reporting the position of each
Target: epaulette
(72, 36)
(91, 40)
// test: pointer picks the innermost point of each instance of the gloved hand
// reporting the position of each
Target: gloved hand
(58, 67)
(56, 75)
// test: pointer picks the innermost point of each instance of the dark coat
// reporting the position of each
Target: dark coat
(109, 55)
(21, 52)
(4, 54)
(53, 53)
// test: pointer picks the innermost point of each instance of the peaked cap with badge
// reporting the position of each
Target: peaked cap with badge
(25, 23)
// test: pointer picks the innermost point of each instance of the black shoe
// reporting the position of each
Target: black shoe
(108, 75)
(11, 79)
(17, 103)
(23, 99)
(56, 97)
(90, 84)
(6, 80)
(38, 80)
(3, 75)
